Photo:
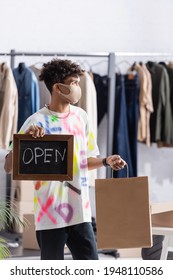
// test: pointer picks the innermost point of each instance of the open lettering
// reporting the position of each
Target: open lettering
(46, 155)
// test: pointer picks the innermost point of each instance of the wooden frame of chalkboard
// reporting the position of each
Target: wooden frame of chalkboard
(46, 158)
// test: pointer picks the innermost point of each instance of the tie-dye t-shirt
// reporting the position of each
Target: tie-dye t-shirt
(60, 204)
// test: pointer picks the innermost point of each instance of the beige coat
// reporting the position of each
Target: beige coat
(88, 102)
(9, 112)
(145, 103)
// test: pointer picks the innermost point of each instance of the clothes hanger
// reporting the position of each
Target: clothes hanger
(4, 62)
(124, 61)
(38, 64)
(130, 71)
(117, 66)
(83, 64)
(133, 66)
(2, 66)
(97, 63)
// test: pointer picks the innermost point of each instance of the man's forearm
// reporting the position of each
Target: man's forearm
(94, 163)
(8, 162)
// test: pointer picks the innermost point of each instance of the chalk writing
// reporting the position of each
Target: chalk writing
(45, 154)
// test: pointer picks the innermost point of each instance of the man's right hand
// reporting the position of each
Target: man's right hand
(35, 131)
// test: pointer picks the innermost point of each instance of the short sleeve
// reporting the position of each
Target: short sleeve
(22, 130)
(92, 148)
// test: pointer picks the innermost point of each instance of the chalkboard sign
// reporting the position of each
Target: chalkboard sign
(45, 158)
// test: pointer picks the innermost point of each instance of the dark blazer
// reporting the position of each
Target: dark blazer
(161, 122)
(28, 90)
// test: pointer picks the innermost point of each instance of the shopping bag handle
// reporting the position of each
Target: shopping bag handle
(127, 171)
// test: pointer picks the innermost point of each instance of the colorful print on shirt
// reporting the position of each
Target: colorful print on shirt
(60, 204)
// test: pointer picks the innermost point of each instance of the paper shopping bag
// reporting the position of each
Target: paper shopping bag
(123, 217)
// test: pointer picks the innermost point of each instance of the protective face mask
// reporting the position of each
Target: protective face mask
(70, 92)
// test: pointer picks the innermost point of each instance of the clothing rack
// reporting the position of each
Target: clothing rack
(111, 79)
(111, 83)
(154, 54)
(111, 88)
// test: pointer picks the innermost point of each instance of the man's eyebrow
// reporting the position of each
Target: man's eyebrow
(74, 80)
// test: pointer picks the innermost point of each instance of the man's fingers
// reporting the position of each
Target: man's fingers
(116, 162)
(35, 131)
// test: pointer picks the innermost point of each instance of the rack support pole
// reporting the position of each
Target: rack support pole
(111, 106)
(12, 60)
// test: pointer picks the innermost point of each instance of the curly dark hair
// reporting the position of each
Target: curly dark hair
(57, 70)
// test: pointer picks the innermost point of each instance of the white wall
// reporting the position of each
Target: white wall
(91, 25)
(96, 26)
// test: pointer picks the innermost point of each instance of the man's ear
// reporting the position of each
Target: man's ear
(63, 89)
(56, 88)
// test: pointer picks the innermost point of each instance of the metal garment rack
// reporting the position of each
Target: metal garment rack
(111, 76)
(111, 84)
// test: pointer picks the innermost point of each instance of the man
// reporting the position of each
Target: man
(62, 209)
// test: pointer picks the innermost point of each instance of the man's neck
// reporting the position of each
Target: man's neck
(59, 107)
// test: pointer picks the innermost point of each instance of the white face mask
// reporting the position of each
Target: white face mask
(71, 93)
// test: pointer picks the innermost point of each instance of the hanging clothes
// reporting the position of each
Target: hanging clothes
(126, 122)
(101, 85)
(2, 90)
(88, 102)
(161, 124)
(28, 91)
(169, 70)
(132, 105)
(170, 74)
(145, 103)
(43, 90)
(9, 106)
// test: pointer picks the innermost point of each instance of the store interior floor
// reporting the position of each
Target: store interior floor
(14, 241)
